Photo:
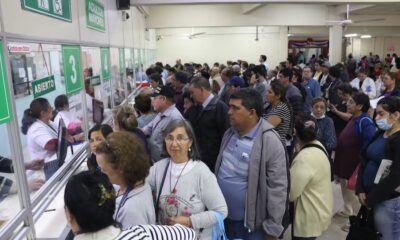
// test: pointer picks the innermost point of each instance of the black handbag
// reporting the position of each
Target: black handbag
(362, 226)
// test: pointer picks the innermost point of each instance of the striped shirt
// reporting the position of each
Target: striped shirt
(142, 232)
(282, 111)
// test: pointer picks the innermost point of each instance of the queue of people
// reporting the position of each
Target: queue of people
(206, 144)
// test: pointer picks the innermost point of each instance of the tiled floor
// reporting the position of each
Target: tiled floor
(334, 232)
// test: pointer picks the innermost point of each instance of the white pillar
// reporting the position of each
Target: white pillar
(335, 44)
(283, 44)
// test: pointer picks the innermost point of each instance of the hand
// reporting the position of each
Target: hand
(333, 108)
(35, 184)
(268, 237)
(36, 164)
(362, 197)
(180, 220)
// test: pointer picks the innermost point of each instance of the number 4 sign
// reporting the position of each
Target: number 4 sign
(72, 68)
(105, 63)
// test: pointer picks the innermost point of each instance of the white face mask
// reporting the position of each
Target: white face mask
(322, 116)
(383, 124)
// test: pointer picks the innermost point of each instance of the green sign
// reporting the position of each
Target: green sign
(5, 100)
(105, 63)
(95, 16)
(42, 86)
(72, 68)
(60, 9)
(121, 60)
(95, 80)
(131, 58)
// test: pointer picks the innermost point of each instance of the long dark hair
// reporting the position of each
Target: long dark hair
(33, 113)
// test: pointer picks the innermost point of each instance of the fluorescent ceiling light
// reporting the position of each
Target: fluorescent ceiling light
(351, 35)
(289, 35)
(365, 36)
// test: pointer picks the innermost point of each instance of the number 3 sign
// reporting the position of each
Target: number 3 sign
(72, 68)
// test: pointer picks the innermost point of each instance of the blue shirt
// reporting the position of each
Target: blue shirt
(375, 154)
(313, 90)
(232, 176)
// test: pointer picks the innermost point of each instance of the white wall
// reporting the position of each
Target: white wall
(222, 44)
(376, 45)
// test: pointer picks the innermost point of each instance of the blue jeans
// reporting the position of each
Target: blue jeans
(236, 230)
(387, 219)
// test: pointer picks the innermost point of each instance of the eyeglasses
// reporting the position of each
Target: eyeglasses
(179, 139)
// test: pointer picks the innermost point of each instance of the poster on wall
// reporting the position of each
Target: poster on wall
(60, 9)
(5, 100)
(72, 68)
(95, 16)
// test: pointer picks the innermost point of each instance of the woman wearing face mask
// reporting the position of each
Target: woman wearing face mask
(383, 197)
(326, 128)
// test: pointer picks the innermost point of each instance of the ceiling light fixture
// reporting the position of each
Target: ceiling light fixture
(351, 35)
(365, 36)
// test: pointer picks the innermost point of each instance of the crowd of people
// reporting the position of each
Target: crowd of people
(254, 145)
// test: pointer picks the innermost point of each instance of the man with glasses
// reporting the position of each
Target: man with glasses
(163, 102)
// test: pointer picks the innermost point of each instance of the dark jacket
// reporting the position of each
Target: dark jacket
(332, 91)
(295, 98)
(385, 189)
(209, 126)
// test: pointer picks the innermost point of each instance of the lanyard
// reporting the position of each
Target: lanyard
(123, 200)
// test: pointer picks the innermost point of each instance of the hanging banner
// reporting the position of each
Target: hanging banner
(60, 9)
(95, 16)
(72, 68)
(105, 63)
(5, 100)
(121, 60)
(43, 86)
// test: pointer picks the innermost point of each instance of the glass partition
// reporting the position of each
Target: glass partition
(129, 69)
(9, 198)
(117, 75)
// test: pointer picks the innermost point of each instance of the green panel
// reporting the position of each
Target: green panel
(5, 100)
(121, 60)
(60, 9)
(43, 86)
(72, 68)
(95, 80)
(105, 63)
(95, 16)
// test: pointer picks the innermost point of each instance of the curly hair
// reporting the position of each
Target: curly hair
(126, 153)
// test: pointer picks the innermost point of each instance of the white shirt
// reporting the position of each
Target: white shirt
(67, 117)
(207, 101)
(89, 103)
(176, 170)
(39, 134)
(368, 86)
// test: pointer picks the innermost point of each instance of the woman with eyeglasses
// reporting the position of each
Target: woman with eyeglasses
(90, 206)
(123, 158)
(186, 191)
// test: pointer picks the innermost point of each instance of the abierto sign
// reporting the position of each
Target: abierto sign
(95, 16)
(42, 86)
